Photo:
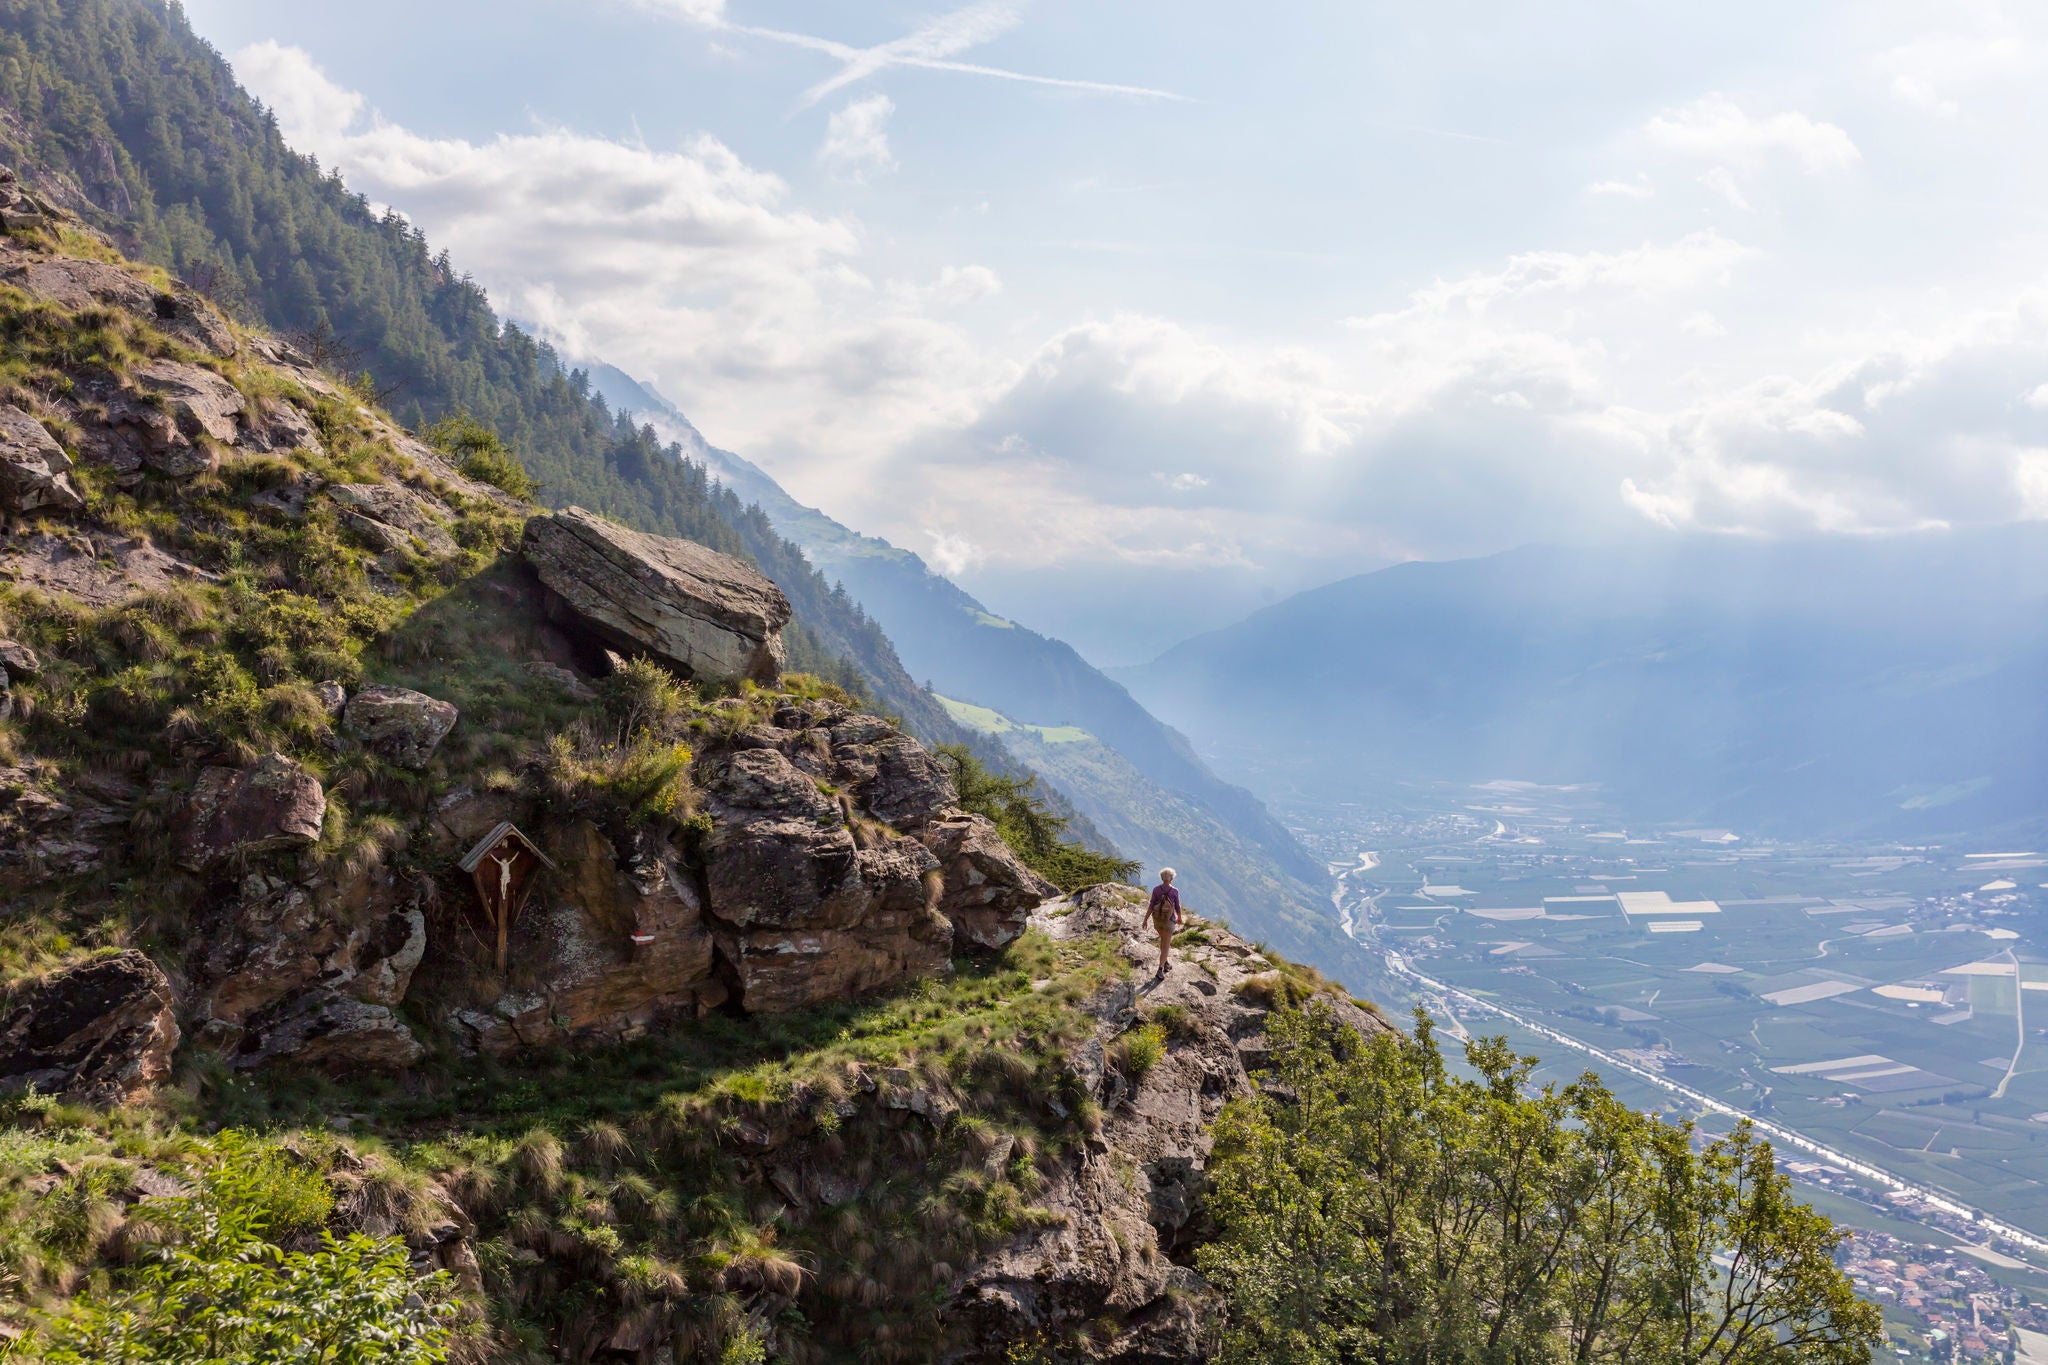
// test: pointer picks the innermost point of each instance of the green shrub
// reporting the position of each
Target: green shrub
(1031, 830)
(218, 1288)
(480, 454)
(1138, 1051)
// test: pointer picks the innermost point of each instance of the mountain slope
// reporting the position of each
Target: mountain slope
(1221, 873)
(1133, 775)
(1884, 684)
(126, 117)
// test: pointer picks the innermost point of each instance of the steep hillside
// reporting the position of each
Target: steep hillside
(272, 667)
(1888, 685)
(124, 116)
(1220, 872)
(1135, 770)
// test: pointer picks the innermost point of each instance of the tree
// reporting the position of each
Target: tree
(1028, 825)
(1373, 1206)
(217, 1292)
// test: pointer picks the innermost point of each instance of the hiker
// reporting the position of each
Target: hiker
(1166, 916)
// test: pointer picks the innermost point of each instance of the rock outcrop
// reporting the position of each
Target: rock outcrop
(75, 284)
(704, 614)
(610, 951)
(34, 470)
(242, 812)
(397, 519)
(102, 1031)
(989, 893)
(399, 724)
(1115, 1258)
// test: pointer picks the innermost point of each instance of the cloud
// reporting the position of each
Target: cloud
(1722, 182)
(932, 46)
(313, 112)
(1716, 128)
(1930, 72)
(686, 266)
(1638, 188)
(857, 139)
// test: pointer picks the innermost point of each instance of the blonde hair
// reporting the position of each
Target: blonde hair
(1165, 874)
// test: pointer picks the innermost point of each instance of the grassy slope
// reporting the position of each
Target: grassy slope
(602, 1184)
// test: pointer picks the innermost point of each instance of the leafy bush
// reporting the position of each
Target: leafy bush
(217, 1289)
(480, 454)
(1031, 830)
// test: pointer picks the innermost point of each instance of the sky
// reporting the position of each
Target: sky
(1134, 316)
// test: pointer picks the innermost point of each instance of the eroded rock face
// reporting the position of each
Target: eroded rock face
(578, 972)
(989, 893)
(271, 805)
(280, 426)
(330, 1031)
(101, 571)
(802, 911)
(703, 613)
(102, 1031)
(280, 941)
(398, 723)
(33, 467)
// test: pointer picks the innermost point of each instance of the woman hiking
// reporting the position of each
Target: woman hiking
(1166, 916)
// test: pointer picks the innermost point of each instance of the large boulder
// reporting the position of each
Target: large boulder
(181, 408)
(703, 613)
(33, 467)
(279, 941)
(241, 812)
(101, 1031)
(398, 723)
(610, 948)
(989, 893)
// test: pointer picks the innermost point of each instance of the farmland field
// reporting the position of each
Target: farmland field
(1871, 998)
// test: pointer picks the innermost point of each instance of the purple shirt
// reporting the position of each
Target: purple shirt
(1162, 897)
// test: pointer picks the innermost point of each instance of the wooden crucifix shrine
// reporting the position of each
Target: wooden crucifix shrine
(503, 865)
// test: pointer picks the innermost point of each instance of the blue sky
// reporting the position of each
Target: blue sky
(1133, 315)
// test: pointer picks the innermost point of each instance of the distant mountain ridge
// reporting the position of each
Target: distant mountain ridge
(1883, 685)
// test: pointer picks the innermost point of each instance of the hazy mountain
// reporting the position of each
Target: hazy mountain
(1880, 684)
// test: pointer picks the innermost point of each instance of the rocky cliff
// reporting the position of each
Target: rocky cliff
(669, 1001)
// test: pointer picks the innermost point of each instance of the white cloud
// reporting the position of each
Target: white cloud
(1931, 72)
(312, 111)
(1722, 182)
(857, 139)
(1703, 325)
(1186, 482)
(685, 266)
(1638, 188)
(1716, 128)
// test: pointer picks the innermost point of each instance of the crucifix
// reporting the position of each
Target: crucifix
(516, 862)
